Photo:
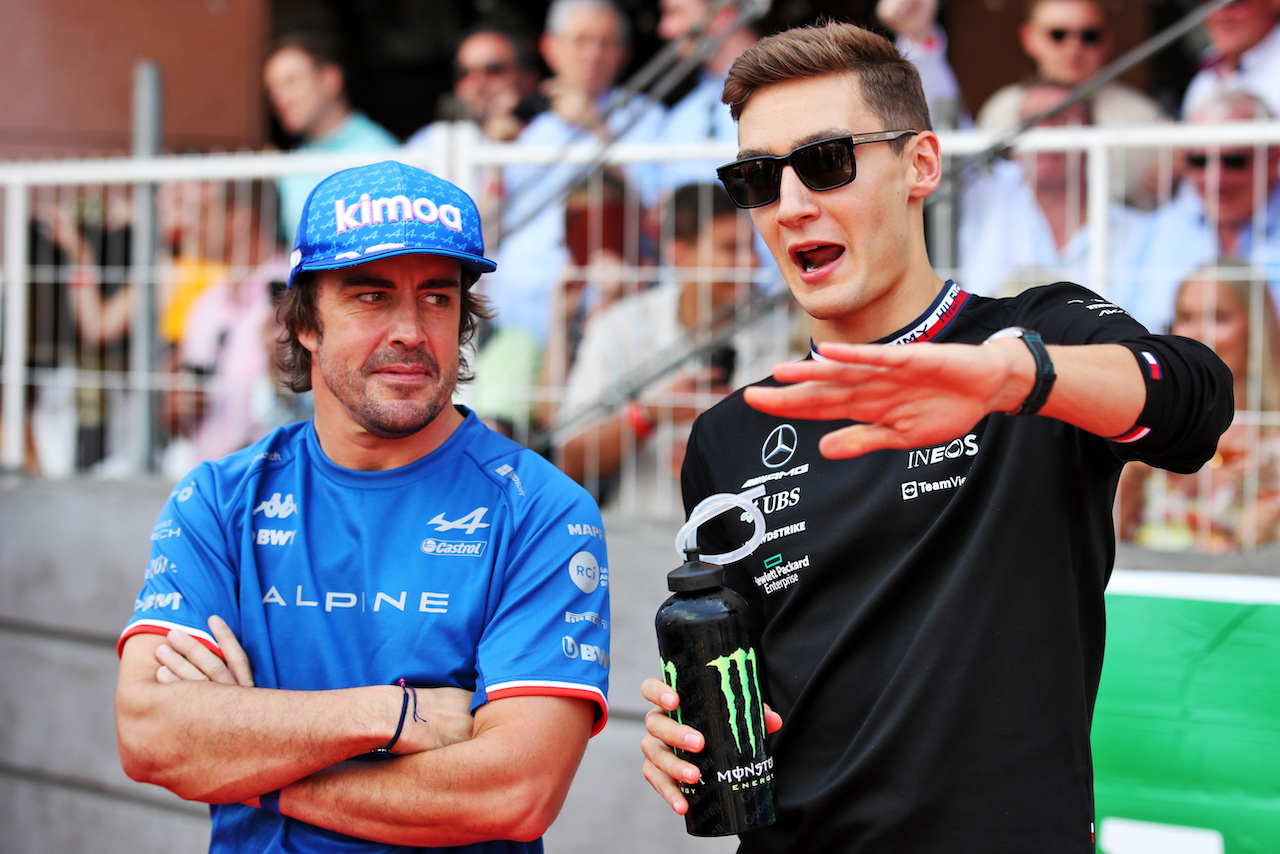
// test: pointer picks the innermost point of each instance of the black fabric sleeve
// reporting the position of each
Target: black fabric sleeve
(1189, 389)
(1190, 402)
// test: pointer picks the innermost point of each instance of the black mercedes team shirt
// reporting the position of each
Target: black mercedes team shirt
(931, 620)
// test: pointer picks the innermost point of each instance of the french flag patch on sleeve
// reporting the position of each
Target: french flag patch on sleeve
(1152, 364)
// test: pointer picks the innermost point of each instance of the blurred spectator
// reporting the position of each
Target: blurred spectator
(1069, 41)
(712, 260)
(1244, 54)
(700, 115)
(305, 82)
(586, 45)
(1025, 223)
(494, 71)
(923, 41)
(495, 90)
(224, 350)
(1234, 501)
(1228, 205)
(81, 306)
(600, 218)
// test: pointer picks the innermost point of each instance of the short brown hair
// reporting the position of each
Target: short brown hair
(889, 83)
(296, 310)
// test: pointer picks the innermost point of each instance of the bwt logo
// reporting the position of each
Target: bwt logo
(458, 548)
(585, 651)
(377, 211)
(277, 509)
(273, 537)
(156, 601)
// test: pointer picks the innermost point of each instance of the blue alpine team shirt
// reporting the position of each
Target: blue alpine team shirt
(480, 566)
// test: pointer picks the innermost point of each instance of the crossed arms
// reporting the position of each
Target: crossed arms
(199, 727)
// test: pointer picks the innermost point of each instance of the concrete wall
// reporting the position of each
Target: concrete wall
(71, 560)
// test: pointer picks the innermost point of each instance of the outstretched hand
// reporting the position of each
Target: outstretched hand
(906, 396)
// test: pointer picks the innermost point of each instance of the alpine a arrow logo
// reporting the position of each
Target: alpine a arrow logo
(779, 446)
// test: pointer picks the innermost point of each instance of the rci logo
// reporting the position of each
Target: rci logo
(277, 509)
(584, 571)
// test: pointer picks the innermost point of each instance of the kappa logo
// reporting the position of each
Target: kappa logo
(779, 447)
(371, 211)
(277, 509)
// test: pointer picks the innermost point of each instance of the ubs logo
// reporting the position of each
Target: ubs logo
(779, 447)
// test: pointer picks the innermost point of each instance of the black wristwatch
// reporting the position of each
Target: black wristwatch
(1044, 367)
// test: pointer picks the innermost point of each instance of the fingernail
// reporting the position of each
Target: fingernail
(690, 775)
(691, 741)
(668, 699)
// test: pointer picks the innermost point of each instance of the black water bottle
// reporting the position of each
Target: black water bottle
(708, 658)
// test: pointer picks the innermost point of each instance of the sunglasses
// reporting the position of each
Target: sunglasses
(827, 164)
(488, 69)
(1091, 36)
(1237, 162)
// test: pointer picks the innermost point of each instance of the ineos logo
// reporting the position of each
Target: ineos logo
(779, 447)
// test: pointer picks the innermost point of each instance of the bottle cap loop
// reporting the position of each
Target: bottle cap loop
(714, 505)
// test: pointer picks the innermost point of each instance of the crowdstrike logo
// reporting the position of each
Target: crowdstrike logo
(277, 509)
(371, 211)
(779, 447)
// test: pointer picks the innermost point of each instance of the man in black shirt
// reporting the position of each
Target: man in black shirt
(939, 480)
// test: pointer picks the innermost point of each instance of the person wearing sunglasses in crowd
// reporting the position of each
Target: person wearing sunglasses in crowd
(1244, 53)
(1229, 204)
(1068, 41)
(939, 476)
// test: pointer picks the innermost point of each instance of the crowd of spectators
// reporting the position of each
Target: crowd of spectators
(605, 273)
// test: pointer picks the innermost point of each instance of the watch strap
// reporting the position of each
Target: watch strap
(1044, 368)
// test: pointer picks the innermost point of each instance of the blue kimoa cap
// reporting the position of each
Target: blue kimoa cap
(382, 210)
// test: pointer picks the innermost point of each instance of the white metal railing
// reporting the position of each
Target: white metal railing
(463, 158)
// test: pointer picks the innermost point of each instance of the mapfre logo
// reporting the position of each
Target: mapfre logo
(277, 509)
(779, 447)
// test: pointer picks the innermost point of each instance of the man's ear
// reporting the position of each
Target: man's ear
(924, 164)
(547, 47)
(333, 81)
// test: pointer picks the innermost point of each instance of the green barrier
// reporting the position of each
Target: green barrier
(1186, 732)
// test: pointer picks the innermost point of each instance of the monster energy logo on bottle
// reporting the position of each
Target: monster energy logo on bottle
(738, 661)
(669, 670)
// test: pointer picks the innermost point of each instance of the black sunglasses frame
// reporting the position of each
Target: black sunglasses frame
(1236, 161)
(1091, 36)
(732, 175)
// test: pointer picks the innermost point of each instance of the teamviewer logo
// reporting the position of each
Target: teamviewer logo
(910, 490)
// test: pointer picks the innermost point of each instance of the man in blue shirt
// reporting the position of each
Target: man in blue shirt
(390, 581)
(307, 89)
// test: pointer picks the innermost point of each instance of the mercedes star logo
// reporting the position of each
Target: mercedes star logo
(779, 447)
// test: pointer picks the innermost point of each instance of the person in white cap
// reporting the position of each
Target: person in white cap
(390, 581)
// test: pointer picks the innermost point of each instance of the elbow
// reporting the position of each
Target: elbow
(533, 810)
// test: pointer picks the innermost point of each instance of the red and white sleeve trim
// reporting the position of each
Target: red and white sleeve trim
(163, 627)
(540, 688)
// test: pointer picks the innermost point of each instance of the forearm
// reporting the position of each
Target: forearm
(219, 743)
(596, 450)
(508, 782)
(1099, 388)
